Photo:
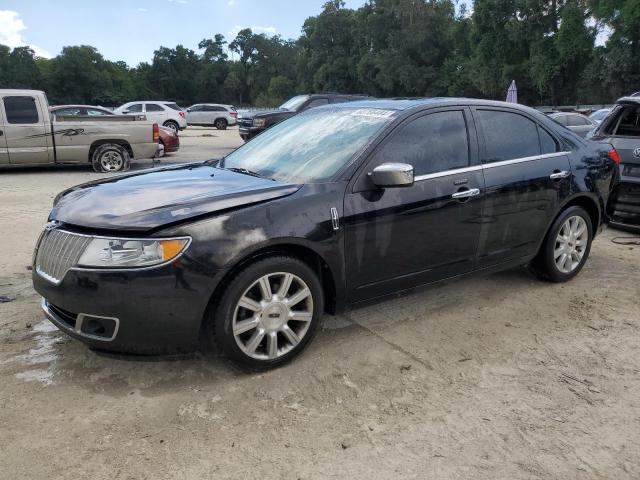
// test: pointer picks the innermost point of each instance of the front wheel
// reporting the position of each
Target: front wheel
(110, 157)
(566, 247)
(268, 313)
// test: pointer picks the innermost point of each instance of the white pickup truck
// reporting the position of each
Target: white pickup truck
(30, 136)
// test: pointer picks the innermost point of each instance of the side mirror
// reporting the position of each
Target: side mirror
(389, 175)
(188, 109)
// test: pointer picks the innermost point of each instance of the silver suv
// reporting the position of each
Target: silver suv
(168, 114)
(212, 114)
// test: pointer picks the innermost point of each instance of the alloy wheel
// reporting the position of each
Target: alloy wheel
(571, 244)
(273, 316)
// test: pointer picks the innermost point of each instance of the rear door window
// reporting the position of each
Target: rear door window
(152, 107)
(433, 143)
(507, 136)
(174, 106)
(21, 110)
(547, 143)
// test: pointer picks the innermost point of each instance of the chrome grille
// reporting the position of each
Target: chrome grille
(59, 251)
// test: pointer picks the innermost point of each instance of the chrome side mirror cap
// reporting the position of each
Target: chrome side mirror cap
(389, 175)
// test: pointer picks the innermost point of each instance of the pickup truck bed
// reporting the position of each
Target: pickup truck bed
(29, 136)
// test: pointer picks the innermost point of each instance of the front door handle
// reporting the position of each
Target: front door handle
(557, 175)
(472, 192)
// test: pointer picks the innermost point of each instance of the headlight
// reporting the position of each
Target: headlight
(259, 122)
(123, 252)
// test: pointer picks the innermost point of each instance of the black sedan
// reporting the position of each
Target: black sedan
(331, 208)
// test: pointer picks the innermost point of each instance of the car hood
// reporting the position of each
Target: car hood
(148, 200)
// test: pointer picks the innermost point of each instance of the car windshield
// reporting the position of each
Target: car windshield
(294, 103)
(311, 147)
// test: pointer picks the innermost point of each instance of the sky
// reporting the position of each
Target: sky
(131, 30)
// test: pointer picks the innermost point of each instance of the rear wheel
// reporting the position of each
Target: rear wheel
(221, 124)
(172, 125)
(110, 157)
(268, 314)
(566, 246)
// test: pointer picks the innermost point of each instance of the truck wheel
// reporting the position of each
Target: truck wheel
(221, 124)
(172, 125)
(110, 157)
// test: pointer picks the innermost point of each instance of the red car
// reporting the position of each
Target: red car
(169, 140)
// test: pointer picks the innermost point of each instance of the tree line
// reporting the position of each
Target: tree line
(386, 48)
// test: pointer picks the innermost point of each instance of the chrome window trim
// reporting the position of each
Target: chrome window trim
(524, 159)
(475, 168)
(445, 173)
(118, 269)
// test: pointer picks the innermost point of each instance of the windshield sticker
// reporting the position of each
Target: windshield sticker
(372, 112)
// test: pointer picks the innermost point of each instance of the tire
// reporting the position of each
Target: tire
(564, 242)
(110, 157)
(221, 124)
(253, 346)
(172, 125)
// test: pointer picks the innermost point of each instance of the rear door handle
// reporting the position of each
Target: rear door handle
(466, 193)
(558, 175)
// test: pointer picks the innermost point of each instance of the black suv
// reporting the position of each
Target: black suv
(336, 206)
(253, 123)
(621, 128)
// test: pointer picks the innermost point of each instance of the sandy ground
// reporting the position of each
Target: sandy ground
(501, 377)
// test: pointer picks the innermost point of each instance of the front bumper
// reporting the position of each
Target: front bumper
(247, 133)
(147, 312)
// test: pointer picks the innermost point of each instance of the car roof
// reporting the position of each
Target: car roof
(401, 104)
(58, 107)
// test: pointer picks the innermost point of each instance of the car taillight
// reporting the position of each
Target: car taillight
(615, 156)
(156, 133)
(181, 114)
(233, 114)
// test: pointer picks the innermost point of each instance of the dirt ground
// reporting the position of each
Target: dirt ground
(499, 377)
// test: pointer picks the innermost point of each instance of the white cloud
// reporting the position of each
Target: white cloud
(143, 10)
(255, 29)
(11, 28)
(231, 3)
(177, 1)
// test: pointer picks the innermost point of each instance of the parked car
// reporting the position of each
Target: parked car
(168, 114)
(621, 128)
(79, 110)
(169, 141)
(576, 122)
(212, 114)
(599, 115)
(30, 135)
(333, 207)
(253, 123)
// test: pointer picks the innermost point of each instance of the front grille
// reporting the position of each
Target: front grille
(59, 251)
(245, 122)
